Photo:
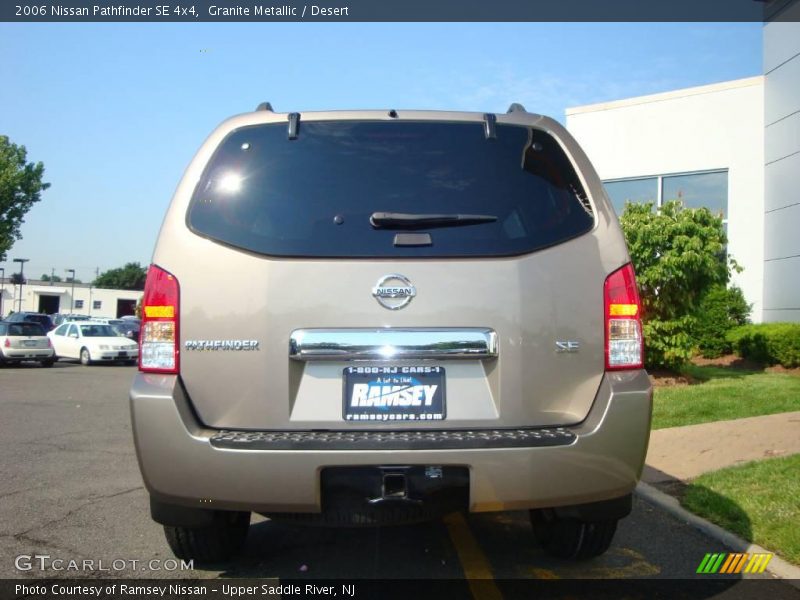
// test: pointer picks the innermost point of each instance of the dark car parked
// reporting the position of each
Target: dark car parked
(31, 317)
(130, 329)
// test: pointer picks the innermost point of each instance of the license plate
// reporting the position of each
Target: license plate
(122, 354)
(394, 393)
(29, 343)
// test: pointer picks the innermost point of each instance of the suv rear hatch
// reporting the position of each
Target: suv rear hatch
(287, 235)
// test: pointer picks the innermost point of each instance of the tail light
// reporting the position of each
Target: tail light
(623, 319)
(49, 343)
(7, 343)
(158, 342)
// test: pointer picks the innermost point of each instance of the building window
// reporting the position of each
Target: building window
(97, 304)
(632, 190)
(707, 189)
(697, 190)
(78, 303)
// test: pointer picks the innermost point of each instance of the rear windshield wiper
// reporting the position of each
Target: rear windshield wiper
(392, 220)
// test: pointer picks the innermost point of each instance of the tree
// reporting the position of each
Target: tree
(16, 279)
(129, 277)
(20, 188)
(679, 255)
(53, 278)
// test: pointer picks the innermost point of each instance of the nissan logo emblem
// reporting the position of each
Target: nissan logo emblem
(394, 291)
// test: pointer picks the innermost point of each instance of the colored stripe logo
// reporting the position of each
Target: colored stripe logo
(724, 563)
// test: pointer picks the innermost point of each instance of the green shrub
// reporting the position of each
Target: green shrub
(768, 343)
(668, 344)
(679, 255)
(720, 310)
(736, 334)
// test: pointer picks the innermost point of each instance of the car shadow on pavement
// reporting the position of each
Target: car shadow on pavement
(291, 551)
(28, 364)
(394, 562)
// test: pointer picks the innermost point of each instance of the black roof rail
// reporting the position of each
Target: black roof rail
(294, 125)
(489, 121)
(516, 107)
(265, 106)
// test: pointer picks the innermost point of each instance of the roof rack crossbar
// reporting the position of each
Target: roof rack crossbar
(489, 121)
(294, 125)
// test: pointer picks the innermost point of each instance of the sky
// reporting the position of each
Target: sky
(116, 111)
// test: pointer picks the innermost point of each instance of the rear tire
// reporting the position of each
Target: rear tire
(86, 358)
(213, 543)
(570, 537)
(49, 362)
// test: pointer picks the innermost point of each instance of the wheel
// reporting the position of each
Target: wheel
(570, 537)
(48, 362)
(86, 358)
(214, 543)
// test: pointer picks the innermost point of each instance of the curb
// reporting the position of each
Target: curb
(777, 566)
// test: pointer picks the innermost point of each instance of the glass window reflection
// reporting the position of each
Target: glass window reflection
(633, 190)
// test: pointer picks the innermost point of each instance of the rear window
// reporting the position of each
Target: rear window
(43, 320)
(24, 329)
(313, 196)
(97, 331)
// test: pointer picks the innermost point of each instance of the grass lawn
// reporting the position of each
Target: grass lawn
(759, 501)
(724, 393)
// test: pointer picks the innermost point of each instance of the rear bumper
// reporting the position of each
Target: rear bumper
(26, 353)
(112, 355)
(600, 459)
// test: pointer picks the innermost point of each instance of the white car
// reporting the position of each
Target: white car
(89, 342)
(25, 341)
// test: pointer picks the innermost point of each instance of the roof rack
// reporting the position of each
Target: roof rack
(265, 106)
(294, 125)
(489, 121)
(516, 107)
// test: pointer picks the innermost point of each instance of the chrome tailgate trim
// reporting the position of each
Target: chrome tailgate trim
(393, 344)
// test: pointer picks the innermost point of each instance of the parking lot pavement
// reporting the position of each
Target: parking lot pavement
(72, 490)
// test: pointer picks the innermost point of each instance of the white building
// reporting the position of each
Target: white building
(733, 147)
(44, 297)
(703, 145)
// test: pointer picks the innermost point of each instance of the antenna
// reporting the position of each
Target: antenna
(265, 106)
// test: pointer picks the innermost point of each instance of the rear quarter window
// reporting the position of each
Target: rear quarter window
(25, 329)
(313, 196)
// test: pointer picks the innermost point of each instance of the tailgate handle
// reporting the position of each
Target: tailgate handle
(393, 343)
